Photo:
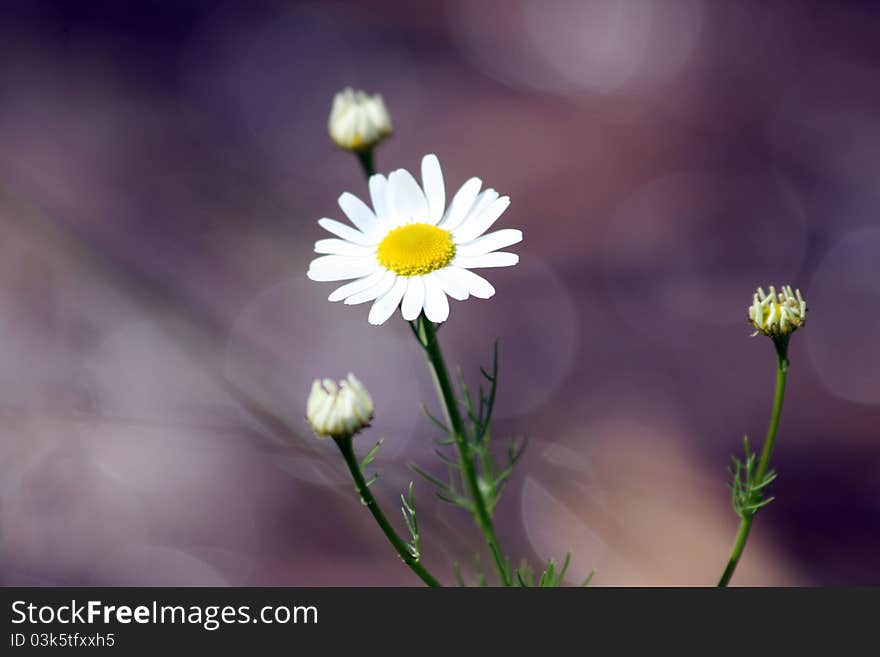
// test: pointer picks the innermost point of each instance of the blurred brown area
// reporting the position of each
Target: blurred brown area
(162, 169)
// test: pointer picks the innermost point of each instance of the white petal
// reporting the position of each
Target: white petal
(347, 232)
(342, 247)
(435, 191)
(479, 224)
(436, 303)
(405, 199)
(461, 203)
(484, 199)
(354, 287)
(491, 242)
(473, 283)
(359, 213)
(385, 305)
(340, 268)
(450, 285)
(379, 198)
(496, 259)
(385, 282)
(414, 299)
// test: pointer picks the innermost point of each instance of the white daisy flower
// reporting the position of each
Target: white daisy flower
(358, 121)
(410, 250)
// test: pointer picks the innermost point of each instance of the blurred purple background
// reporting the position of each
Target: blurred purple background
(162, 169)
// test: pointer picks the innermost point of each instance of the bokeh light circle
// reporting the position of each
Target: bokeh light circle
(843, 322)
(575, 47)
(686, 249)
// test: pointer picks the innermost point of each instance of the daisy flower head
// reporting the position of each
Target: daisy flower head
(777, 314)
(411, 250)
(358, 121)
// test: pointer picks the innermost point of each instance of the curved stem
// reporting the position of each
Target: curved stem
(739, 545)
(427, 336)
(745, 524)
(347, 449)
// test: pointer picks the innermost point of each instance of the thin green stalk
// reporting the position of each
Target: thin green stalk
(745, 524)
(427, 337)
(347, 449)
(365, 157)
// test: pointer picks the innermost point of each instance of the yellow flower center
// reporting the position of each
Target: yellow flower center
(416, 249)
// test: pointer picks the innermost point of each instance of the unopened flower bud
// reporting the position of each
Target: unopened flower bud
(358, 121)
(777, 314)
(339, 410)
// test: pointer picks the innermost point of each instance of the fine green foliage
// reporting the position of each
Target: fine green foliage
(412, 524)
(492, 474)
(367, 460)
(472, 413)
(551, 577)
(747, 492)
(481, 579)
(475, 478)
(408, 552)
(408, 508)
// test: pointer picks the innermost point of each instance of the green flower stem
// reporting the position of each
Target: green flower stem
(427, 337)
(745, 524)
(347, 449)
(365, 157)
